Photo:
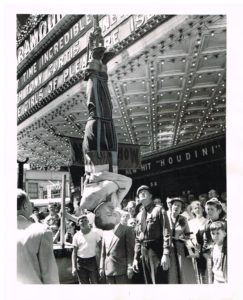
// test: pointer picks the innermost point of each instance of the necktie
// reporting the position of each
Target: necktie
(143, 220)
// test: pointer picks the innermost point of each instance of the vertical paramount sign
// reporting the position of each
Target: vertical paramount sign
(39, 33)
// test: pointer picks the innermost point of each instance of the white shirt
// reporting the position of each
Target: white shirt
(108, 236)
(86, 243)
(196, 224)
(217, 263)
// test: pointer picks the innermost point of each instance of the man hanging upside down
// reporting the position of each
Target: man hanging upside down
(104, 188)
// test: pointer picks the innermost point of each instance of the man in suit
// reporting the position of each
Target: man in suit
(35, 258)
(117, 254)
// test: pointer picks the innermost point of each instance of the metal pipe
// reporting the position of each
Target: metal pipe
(63, 196)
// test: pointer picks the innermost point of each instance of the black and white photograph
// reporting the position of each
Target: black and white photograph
(122, 162)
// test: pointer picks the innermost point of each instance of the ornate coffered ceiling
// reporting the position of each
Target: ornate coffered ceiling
(168, 89)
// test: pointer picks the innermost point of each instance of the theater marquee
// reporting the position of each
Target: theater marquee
(67, 58)
(190, 155)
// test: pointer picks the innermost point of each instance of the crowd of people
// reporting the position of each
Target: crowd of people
(181, 241)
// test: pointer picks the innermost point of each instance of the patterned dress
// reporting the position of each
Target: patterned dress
(181, 268)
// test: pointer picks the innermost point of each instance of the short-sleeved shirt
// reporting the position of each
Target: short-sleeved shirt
(217, 255)
(86, 243)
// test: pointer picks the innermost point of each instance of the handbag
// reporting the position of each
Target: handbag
(191, 250)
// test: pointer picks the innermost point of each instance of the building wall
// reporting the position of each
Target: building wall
(45, 184)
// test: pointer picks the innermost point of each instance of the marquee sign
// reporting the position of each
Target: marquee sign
(129, 156)
(44, 27)
(64, 67)
(69, 38)
(190, 155)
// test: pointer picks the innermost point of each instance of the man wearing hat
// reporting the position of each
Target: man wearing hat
(153, 239)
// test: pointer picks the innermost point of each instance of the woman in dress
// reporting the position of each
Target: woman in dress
(181, 268)
(196, 225)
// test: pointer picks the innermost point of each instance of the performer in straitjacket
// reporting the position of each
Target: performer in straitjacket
(104, 188)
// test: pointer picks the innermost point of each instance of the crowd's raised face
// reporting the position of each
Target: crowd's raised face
(131, 208)
(83, 222)
(144, 195)
(107, 213)
(124, 218)
(176, 207)
(212, 211)
(218, 235)
(131, 222)
(197, 209)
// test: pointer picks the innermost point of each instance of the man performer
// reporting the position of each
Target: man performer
(35, 258)
(117, 254)
(153, 239)
(102, 185)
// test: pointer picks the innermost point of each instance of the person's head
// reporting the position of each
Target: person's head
(124, 217)
(57, 207)
(213, 194)
(36, 210)
(203, 198)
(131, 222)
(218, 232)
(213, 209)
(224, 197)
(83, 223)
(196, 208)
(131, 208)
(52, 208)
(24, 206)
(190, 198)
(71, 227)
(106, 217)
(69, 208)
(177, 205)
(144, 194)
(158, 201)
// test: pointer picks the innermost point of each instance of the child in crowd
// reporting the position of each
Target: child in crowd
(219, 252)
(214, 213)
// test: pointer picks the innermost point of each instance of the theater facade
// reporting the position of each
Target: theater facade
(167, 80)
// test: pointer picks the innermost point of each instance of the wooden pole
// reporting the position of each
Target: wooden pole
(62, 232)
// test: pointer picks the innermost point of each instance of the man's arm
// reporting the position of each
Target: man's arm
(48, 266)
(166, 232)
(123, 182)
(165, 260)
(98, 251)
(74, 261)
(137, 247)
(130, 243)
(101, 185)
(102, 258)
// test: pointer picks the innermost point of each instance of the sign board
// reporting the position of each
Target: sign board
(64, 67)
(43, 28)
(191, 155)
(128, 155)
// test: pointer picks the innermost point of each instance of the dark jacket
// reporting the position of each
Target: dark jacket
(119, 256)
(157, 229)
